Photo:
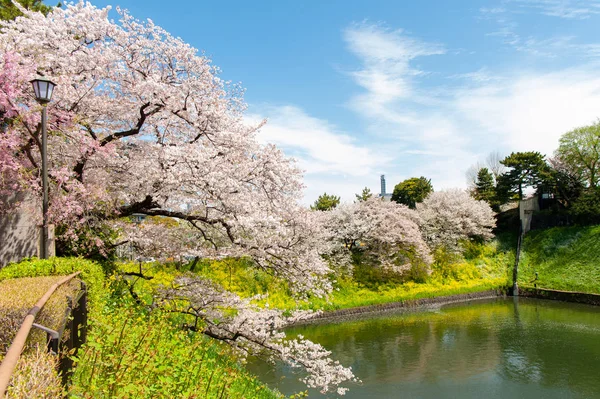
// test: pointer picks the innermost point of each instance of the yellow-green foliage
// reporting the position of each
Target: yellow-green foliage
(136, 353)
(477, 261)
(483, 267)
(566, 258)
(156, 275)
(493, 259)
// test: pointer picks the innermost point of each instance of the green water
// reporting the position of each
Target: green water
(500, 348)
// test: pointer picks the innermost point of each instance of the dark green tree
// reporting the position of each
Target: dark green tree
(412, 191)
(565, 184)
(485, 188)
(586, 208)
(364, 195)
(8, 10)
(527, 169)
(325, 202)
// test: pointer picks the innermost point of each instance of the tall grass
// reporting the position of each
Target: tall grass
(136, 354)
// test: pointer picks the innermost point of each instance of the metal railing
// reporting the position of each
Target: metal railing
(75, 322)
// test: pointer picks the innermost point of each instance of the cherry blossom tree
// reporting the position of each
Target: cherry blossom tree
(453, 215)
(140, 123)
(385, 228)
(14, 165)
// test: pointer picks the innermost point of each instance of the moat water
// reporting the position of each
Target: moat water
(500, 348)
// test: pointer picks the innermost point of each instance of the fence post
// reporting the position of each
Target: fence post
(77, 327)
(80, 319)
(65, 362)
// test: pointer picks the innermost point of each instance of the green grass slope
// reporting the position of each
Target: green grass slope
(566, 258)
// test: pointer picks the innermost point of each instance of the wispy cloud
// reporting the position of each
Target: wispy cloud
(395, 106)
(482, 75)
(509, 31)
(386, 74)
(568, 9)
(446, 131)
(531, 110)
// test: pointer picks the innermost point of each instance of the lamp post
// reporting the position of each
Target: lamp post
(43, 89)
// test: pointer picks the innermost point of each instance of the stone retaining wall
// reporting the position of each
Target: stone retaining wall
(565, 296)
(20, 231)
(408, 305)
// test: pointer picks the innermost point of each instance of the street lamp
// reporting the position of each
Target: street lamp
(43, 89)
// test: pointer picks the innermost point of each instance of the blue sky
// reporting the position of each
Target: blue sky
(355, 89)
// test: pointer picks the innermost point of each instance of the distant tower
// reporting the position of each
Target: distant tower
(383, 192)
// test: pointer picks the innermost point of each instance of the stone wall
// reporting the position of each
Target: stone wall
(526, 210)
(565, 296)
(356, 312)
(20, 234)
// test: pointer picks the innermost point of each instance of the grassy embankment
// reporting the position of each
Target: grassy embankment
(566, 258)
(132, 351)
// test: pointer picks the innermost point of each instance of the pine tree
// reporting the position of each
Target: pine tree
(364, 195)
(325, 202)
(484, 186)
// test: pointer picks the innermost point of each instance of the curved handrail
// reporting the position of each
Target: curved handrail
(16, 347)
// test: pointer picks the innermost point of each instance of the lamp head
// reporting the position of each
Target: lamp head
(43, 89)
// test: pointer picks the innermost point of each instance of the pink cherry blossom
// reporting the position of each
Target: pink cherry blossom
(451, 216)
(383, 227)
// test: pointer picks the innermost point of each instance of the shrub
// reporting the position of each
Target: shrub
(35, 376)
(19, 296)
(91, 272)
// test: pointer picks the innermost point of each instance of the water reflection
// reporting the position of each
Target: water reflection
(528, 348)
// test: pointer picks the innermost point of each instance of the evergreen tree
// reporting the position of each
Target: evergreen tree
(412, 191)
(527, 169)
(484, 186)
(325, 202)
(364, 195)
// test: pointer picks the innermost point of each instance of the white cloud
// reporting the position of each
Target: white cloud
(556, 46)
(333, 160)
(437, 132)
(533, 110)
(429, 142)
(482, 75)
